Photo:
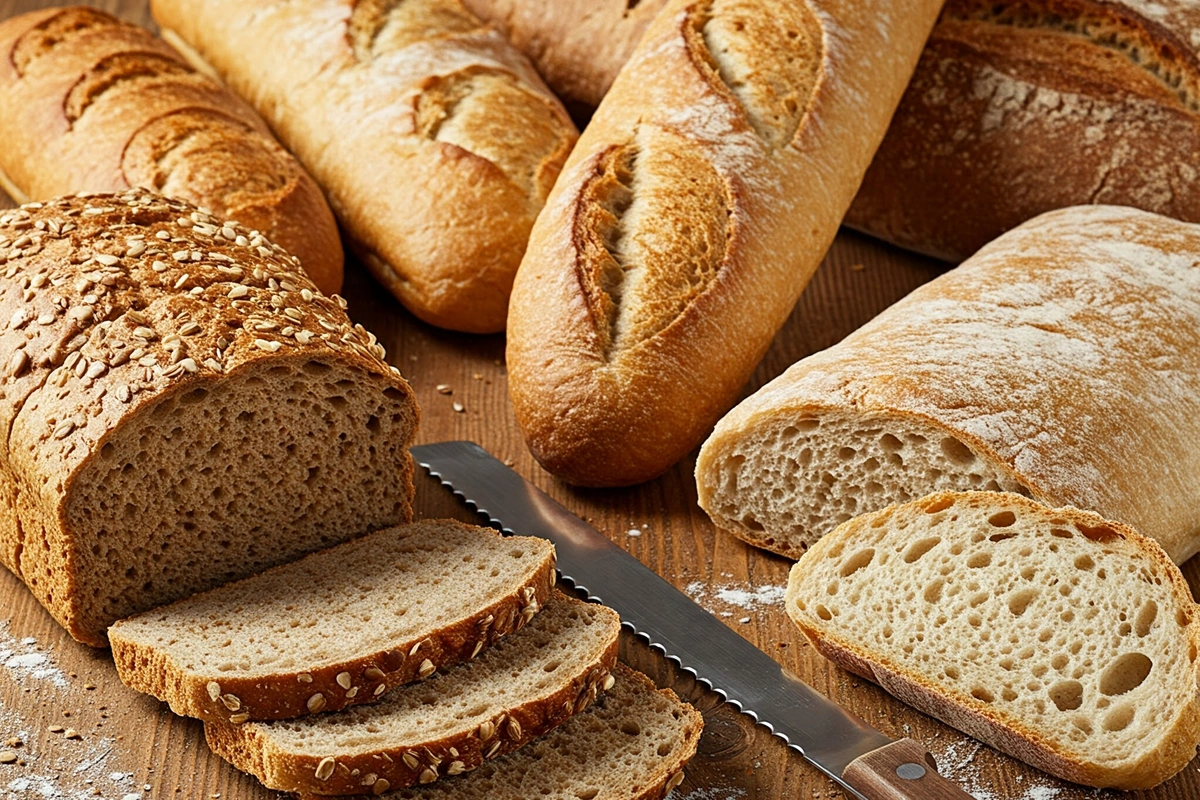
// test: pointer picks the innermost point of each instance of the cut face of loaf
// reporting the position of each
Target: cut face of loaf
(1065, 640)
(632, 744)
(339, 627)
(181, 407)
(519, 689)
(1061, 362)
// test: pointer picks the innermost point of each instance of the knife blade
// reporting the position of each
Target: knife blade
(860, 759)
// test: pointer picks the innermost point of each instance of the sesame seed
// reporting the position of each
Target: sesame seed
(456, 768)
(343, 680)
(8, 757)
(142, 332)
(239, 290)
(106, 259)
(380, 786)
(136, 249)
(445, 388)
(17, 363)
(514, 728)
(410, 760)
(180, 255)
(380, 689)
(325, 769)
(162, 235)
(350, 695)
(491, 751)
(428, 776)
(316, 702)
(427, 668)
(304, 337)
(232, 702)
(96, 369)
(55, 729)
(190, 329)
(64, 429)
(304, 677)
(238, 719)
(123, 393)
(414, 649)
(486, 731)
(609, 682)
(182, 280)
(45, 318)
(269, 346)
(189, 365)
(306, 295)
(458, 407)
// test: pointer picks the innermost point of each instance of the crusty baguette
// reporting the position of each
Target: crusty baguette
(1062, 361)
(181, 408)
(1023, 106)
(1065, 640)
(339, 627)
(433, 138)
(632, 744)
(523, 687)
(578, 46)
(90, 103)
(697, 205)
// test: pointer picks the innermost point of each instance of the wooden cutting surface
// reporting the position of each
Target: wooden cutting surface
(82, 734)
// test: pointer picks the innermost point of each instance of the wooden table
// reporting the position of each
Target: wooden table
(131, 744)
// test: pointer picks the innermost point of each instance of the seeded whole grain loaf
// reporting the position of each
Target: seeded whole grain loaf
(433, 138)
(339, 627)
(181, 408)
(1063, 639)
(1061, 362)
(517, 690)
(91, 103)
(699, 201)
(632, 744)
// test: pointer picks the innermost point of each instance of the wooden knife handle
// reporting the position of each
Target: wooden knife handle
(903, 770)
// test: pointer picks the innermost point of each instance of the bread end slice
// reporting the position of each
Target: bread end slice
(1065, 640)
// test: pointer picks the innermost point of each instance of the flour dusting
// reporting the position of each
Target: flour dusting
(750, 598)
(23, 660)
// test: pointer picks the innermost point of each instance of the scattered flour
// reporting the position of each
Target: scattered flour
(23, 660)
(742, 596)
(956, 761)
(710, 794)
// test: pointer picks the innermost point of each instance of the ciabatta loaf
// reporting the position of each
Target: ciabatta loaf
(519, 689)
(90, 103)
(632, 744)
(698, 203)
(434, 139)
(1062, 362)
(337, 628)
(182, 408)
(1065, 640)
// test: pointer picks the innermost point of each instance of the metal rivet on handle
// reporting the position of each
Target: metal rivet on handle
(910, 771)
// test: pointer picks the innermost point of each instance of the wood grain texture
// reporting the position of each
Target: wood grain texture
(130, 741)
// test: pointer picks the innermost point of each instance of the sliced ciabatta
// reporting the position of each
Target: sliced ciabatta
(1065, 640)
(632, 744)
(517, 690)
(339, 627)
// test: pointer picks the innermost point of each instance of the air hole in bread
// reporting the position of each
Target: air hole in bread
(933, 591)
(940, 504)
(1067, 695)
(979, 559)
(982, 693)
(1145, 618)
(1119, 718)
(1099, 533)
(1019, 602)
(1125, 674)
(631, 728)
(1003, 519)
(957, 452)
(824, 613)
(919, 548)
(857, 561)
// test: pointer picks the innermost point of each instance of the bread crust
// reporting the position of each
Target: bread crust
(92, 104)
(689, 211)
(465, 139)
(1018, 354)
(92, 340)
(248, 749)
(1014, 111)
(981, 721)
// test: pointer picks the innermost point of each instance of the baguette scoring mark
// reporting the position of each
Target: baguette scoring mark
(117, 70)
(653, 229)
(56, 30)
(378, 27)
(768, 54)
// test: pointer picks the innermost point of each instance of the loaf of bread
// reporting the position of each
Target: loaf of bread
(182, 408)
(1065, 640)
(433, 138)
(632, 744)
(695, 208)
(1062, 361)
(578, 46)
(525, 686)
(90, 103)
(1022, 107)
(403, 601)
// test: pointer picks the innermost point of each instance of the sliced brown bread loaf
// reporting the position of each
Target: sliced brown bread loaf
(339, 627)
(1065, 640)
(181, 408)
(519, 689)
(632, 744)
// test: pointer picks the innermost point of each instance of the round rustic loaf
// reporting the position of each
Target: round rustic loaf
(182, 408)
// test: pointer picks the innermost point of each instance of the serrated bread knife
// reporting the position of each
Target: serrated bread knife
(867, 764)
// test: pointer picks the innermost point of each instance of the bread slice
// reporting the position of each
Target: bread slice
(179, 408)
(631, 745)
(1065, 640)
(339, 627)
(519, 689)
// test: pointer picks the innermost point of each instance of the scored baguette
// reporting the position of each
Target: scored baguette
(1062, 362)
(696, 206)
(521, 688)
(339, 627)
(181, 406)
(1065, 640)
(433, 138)
(89, 103)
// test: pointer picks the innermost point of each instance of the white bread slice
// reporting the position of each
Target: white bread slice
(632, 744)
(524, 686)
(339, 627)
(1065, 640)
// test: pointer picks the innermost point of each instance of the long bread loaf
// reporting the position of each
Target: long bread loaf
(181, 408)
(433, 138)
(92, 104)
(1062, 361)
(692, 213)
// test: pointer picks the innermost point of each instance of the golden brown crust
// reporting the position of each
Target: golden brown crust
(463, 139)
(649, 294)
(90, 103)
(1024, 106)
